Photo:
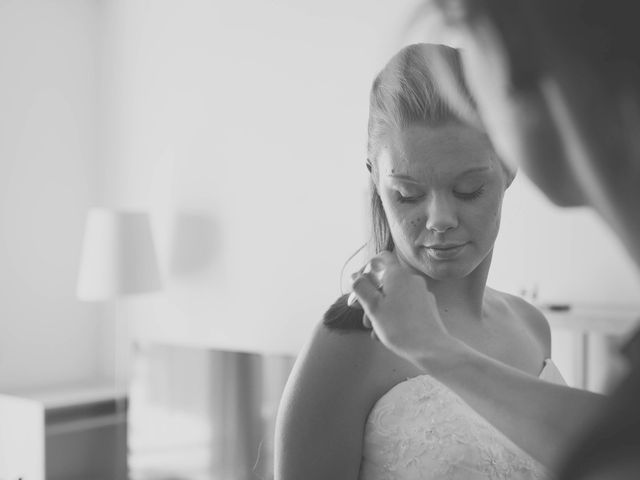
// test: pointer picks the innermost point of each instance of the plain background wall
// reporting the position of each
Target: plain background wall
(48, 159)
(241, 127)
(565, 255)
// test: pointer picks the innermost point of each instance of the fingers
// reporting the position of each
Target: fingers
(375, 269)
(352, 301)
(368, 325)
(380, 264)
(366, 322)
(368, 282)
(386, 258)
(367, 290)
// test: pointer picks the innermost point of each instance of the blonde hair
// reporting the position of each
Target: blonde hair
(412, 89)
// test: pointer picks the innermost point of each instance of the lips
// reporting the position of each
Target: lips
(444, 251)
(444, 246)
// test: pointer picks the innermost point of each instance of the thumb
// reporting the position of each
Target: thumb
(385, 260)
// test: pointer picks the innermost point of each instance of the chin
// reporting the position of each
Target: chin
(447, 273)
(452, 270)
(442, 269)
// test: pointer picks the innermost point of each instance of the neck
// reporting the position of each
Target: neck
(462, 296)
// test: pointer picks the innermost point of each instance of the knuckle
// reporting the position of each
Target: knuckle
(358, 278)
(370, 277)
(357, 273)
(357, 282)
(376, 262)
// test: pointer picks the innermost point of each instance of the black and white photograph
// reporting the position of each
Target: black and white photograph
(302, 240)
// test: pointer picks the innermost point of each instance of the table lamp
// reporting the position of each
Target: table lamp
(118, 259)
(118, 256)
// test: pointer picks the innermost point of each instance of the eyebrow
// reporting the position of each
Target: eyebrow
(475, 170)
(401, 176)
(409, 178)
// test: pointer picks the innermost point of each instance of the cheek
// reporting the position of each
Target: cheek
(486, 219)
(496, 210)
(411, 227)
(417, 223)
(405, 224)
(416, 226)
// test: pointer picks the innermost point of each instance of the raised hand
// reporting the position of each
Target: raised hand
(400, 309)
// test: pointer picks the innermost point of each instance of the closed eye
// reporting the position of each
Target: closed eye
(468, 196)
(408, 198)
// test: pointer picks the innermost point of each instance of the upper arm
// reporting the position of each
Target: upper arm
(321, 418)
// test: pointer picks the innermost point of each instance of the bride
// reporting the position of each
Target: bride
(358, 408)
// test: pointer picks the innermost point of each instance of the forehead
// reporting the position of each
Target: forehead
(434, 151)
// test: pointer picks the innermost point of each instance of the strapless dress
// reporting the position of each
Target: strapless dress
(422, 430)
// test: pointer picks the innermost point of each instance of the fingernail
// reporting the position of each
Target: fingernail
(352, 299)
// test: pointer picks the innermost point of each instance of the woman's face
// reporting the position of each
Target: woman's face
(442, 190)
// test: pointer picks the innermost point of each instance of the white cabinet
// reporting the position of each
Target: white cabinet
(586, 342)
(64, 433)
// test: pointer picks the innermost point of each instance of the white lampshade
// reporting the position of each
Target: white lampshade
(118, 256)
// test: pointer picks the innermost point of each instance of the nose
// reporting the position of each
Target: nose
(441, 214)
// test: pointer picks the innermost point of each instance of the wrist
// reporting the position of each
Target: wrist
(446, 355)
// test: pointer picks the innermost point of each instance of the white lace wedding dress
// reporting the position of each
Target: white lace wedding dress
(421, 430)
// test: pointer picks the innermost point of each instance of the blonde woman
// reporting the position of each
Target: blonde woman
(359, 408)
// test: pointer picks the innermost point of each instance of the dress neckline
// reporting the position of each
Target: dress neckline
(548, 372)
(425, 377)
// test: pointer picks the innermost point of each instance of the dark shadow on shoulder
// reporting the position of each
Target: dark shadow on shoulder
(341, 317)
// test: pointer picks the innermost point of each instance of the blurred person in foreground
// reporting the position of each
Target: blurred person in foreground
(557, 88)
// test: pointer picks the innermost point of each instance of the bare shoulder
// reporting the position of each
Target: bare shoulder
(335, 381)
(332, 360)
(533, 319)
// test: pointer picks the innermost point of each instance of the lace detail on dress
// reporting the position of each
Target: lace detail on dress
(422, 430)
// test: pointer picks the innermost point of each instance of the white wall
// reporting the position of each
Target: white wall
(242, 127)
(48, 147)
(567, 255)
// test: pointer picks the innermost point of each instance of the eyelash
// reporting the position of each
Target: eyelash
(467, 197)
(402, 199)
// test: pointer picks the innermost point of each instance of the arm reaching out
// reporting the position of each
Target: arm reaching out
(540, 417)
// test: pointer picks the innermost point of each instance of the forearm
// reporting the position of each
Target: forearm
(540, 417)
